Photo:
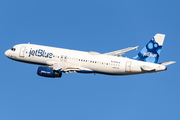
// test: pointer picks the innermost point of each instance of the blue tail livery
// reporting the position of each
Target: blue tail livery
(151, 52)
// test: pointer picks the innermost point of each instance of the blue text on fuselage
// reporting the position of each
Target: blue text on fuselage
(40, 53)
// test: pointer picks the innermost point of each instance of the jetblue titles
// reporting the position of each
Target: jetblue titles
(149, 54)
(40, 53)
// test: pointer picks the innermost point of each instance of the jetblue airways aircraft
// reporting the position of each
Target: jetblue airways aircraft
(55, 61)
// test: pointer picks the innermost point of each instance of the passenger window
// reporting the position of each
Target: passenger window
(65, 58)
(61, 58)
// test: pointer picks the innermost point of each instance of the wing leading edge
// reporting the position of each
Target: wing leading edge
(122, 51)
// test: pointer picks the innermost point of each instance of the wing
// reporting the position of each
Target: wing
(68, 68)
(120, 52)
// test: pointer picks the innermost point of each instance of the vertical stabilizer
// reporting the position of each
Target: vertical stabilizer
(151, 52)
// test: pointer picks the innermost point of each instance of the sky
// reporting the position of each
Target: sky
(89, 25)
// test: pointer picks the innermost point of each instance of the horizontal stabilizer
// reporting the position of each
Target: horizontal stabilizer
(168, 63)
(147, 68)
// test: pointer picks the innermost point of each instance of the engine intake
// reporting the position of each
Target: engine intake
(48, 72)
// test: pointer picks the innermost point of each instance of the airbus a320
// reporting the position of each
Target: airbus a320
(55, 61)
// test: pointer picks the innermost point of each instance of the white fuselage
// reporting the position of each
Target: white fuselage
(88, 62)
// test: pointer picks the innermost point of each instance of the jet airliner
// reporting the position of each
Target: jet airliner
(55, 61)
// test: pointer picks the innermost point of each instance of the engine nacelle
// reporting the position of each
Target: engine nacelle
(48, 72)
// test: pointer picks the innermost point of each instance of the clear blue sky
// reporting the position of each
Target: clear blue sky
(94, 25)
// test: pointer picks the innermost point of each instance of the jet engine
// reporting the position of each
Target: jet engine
(48, 72)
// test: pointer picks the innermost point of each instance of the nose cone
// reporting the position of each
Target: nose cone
(7, 53)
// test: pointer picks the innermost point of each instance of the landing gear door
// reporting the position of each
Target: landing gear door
(128, 66)
(22, 51)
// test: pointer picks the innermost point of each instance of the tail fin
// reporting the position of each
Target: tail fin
(151, 52)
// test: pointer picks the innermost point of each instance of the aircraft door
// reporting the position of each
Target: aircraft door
(21, 54)
(128, 66)
(63, 58)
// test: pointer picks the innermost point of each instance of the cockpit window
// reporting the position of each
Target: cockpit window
(13, 49)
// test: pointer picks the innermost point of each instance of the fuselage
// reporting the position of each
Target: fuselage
(88, 62)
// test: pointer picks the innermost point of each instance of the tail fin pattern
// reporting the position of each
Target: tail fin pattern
(151, 52)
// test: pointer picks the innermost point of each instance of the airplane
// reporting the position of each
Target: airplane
(54, 61)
